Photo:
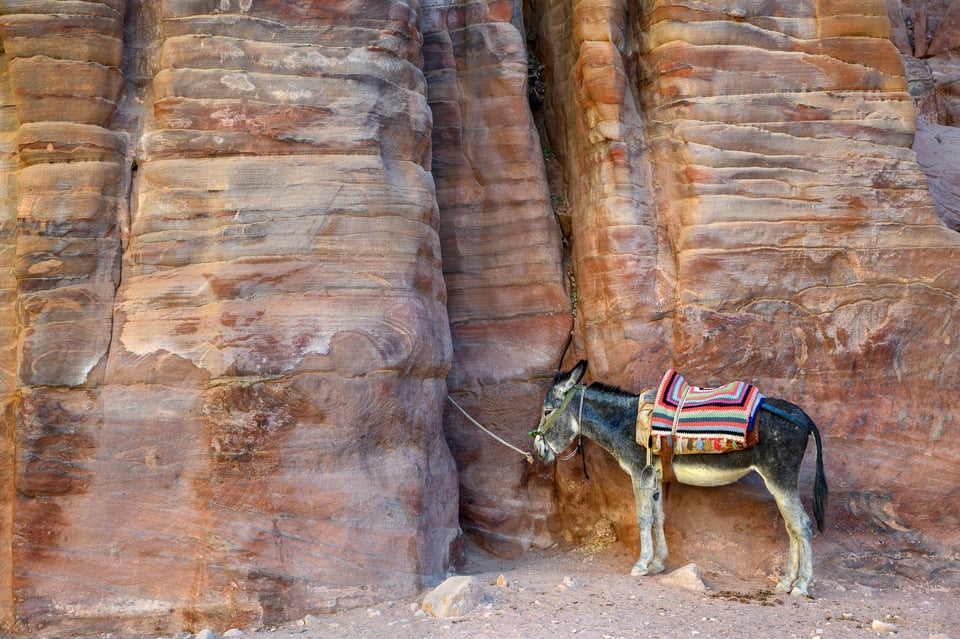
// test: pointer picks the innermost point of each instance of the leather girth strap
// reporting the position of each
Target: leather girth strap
(667, 475)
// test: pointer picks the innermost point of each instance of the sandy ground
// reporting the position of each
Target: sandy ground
(574, 593)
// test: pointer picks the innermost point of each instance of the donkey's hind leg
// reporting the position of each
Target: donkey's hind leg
(796, 580)
(643, 495)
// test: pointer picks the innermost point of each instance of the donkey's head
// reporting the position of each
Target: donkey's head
(558, 421)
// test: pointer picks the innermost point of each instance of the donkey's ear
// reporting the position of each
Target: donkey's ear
(571, 379)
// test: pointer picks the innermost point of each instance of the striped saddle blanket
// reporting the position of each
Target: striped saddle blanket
(704, 420)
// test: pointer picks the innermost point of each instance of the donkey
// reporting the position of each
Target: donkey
(607, 416)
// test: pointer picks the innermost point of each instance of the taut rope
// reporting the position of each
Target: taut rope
(489, 432)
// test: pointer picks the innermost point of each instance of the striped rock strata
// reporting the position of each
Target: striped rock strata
(754, 163)
(69, 189)
(248, 248)
(509, 313)
(240, 421)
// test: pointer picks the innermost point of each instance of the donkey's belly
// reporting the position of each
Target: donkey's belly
(696, 473)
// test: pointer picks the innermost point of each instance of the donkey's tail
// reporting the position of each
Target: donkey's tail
(820, 490)
(820, 480)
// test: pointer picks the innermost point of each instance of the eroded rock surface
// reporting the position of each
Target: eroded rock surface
(509, 313)
(242, 420)
(792, 238)
(248, 248)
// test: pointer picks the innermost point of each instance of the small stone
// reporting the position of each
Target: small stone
(234, 632)
(309, 619)
(455, 597)
(567, 583)
(206, 633)
(503, 582)
(687, 577)
(883, 626)
(866, 591)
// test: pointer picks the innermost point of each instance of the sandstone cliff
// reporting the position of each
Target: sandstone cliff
(225, 404)
(248, 248)
(509, 314)
(759, 159)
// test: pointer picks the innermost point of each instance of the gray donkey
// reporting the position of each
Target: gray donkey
(608, 415)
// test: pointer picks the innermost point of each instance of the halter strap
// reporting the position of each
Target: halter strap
(579, 434)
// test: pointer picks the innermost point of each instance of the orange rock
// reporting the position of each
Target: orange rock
(242, 273)
(509, 314)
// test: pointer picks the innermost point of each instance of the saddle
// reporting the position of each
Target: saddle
(680, 419)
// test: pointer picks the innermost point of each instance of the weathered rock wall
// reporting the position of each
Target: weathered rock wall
(246, 250)
(241, 421)
(620, 254)
(509, 313)
(8, 322)
(70, 193)
(596, 124)
(928, 36)
(801, 246)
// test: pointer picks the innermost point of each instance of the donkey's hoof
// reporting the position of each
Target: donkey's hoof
(785, 586)
(655, 568)
(639, 570)
(800, 591)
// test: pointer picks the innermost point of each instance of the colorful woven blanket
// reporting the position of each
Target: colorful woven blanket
(704, 419)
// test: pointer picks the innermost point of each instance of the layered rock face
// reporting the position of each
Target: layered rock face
(927, 35)
(245, 424)
(8, 354)
(65, 202)
(509, 313)
(249, 248)
(759, 158)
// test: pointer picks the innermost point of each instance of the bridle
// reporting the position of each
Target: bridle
(547, 420)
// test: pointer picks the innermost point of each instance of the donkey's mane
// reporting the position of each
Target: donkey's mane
(613, 390)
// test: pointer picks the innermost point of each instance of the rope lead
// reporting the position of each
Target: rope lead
(492, 434)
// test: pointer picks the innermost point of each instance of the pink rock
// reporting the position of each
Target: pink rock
(247, 254)
(687, 577)
(455, 597)
(947, 34)
(247, 423)
(937, 148)
(508, 310)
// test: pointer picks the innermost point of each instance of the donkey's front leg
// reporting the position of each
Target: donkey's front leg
(643, 495)
(660, 541)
